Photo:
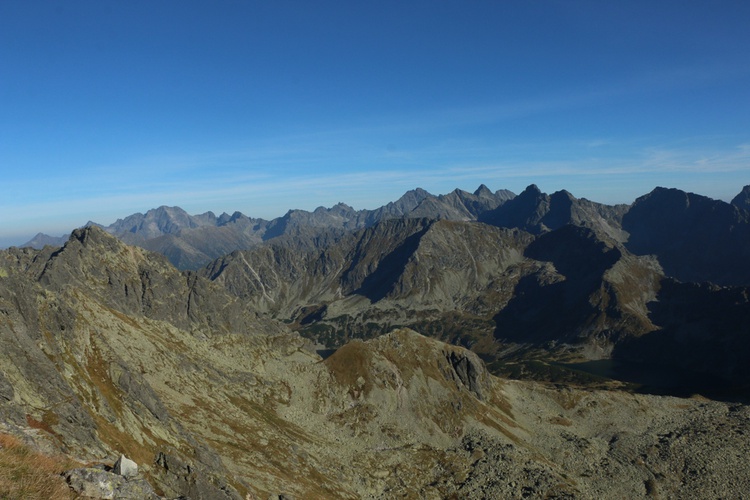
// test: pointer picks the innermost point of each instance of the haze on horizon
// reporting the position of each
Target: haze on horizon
(107, 109)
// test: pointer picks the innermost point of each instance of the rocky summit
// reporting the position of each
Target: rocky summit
(470, 345)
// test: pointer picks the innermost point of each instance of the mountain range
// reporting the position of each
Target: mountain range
(468, 345)
(517, 278)
(690, 223)
(192, 241)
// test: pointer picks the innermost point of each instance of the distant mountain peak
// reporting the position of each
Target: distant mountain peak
(533, 187)
(483, 191)
(562, 196)
(41, 240)
(406, 203)
(563, 193)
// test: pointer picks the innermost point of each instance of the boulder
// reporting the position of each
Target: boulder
(126, 467)
(92, 482)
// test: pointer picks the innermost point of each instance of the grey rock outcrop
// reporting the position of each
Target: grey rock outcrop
(100, 484)
(186, 479)
(6, 389)
(469, 371)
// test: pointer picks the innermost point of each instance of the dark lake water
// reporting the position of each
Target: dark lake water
(654, 380)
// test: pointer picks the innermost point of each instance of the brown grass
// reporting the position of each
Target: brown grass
(48, 420)
(350, 362)
(25, 473)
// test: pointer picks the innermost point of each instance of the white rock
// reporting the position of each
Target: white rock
(126, 467)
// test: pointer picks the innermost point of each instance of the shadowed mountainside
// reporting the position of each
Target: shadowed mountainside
(537, 212)
(742, 200)
(694, 237)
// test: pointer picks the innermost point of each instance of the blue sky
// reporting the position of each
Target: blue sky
(110, 108)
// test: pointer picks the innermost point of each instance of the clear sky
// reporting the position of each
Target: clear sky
(108, 107)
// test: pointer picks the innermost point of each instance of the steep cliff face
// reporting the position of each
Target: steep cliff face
(587, 289)
(281, 277)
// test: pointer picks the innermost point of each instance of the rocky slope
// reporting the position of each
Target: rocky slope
(109, 350)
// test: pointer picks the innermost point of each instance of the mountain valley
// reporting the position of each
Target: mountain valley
(469, 345)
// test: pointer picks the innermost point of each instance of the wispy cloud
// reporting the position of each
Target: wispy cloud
(267, 196)
(256, 171)
(374, 162)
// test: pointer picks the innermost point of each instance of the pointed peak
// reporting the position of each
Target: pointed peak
(408, 201)
(459, 192)
(483, 190)
(338, 208)
(92, 235)
(564, 194)
(419, 194)
(505, 194)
